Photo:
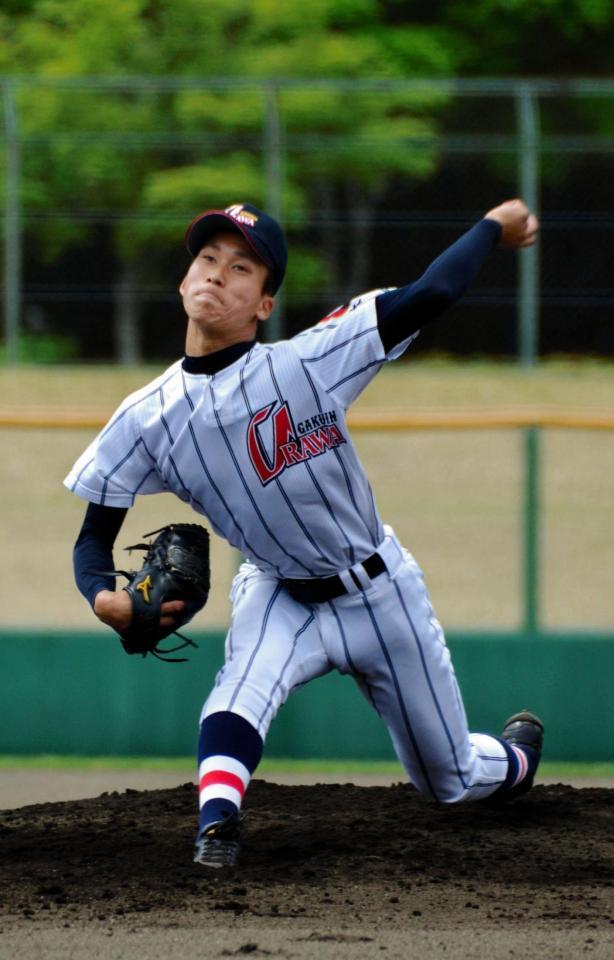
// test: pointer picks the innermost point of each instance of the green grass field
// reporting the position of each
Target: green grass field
(267, 766)
(453, 497)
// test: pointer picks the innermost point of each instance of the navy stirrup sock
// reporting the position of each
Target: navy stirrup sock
(229, 750)
(522, 764)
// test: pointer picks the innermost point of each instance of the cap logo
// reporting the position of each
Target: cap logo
(242, 216)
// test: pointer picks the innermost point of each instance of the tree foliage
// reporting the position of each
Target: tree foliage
(96, 150)
(136, 162)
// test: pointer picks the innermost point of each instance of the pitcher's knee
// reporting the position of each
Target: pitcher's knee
(450, 797)
(445, 791)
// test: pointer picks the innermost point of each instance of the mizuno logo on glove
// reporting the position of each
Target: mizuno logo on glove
(145, 586)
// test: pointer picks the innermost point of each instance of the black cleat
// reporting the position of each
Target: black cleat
(524, 729)
(219, 844)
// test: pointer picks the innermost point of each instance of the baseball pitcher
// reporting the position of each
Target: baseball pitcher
(254, 437)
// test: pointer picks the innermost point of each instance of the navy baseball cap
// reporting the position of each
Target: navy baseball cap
(262, 232)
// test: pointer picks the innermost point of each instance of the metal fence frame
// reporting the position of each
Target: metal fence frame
(528, 142)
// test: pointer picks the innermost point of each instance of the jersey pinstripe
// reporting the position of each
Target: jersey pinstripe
(261, 448)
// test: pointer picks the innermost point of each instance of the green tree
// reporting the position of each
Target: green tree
(532, 37)
(129, 149)
(124, 166)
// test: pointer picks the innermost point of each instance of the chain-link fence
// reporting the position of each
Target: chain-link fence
(371, 180)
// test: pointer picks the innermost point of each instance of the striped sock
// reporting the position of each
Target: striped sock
(229, 751)
(222, 782)
(522, 763)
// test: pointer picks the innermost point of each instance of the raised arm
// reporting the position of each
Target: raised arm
(403, 311)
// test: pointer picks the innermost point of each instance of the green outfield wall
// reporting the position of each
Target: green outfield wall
(78, 693)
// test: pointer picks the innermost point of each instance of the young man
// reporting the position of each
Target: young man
(254, 437)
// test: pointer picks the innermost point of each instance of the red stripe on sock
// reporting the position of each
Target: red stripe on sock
(222, 776)
(523, 764)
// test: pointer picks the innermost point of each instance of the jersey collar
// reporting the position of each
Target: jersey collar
(214, 362)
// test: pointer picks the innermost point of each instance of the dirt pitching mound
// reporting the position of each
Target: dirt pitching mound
(354, 857)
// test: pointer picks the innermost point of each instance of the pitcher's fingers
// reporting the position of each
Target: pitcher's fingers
(167, 609)
(172, 606)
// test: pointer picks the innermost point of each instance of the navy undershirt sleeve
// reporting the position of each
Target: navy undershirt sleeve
(403, 311)
(93, 549)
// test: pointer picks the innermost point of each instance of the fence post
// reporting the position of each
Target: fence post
(527, 112)
(273, 328)
(12, 235)
(530, 578)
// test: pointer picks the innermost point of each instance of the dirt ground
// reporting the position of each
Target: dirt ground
(328, 870)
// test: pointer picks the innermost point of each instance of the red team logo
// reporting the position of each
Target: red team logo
(335, 314)
(290, 445)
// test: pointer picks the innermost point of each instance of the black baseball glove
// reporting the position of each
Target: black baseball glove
(176, 567)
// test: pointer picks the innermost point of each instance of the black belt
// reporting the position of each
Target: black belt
(321, 589)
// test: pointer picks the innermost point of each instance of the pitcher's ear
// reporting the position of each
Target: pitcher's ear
(265, 309)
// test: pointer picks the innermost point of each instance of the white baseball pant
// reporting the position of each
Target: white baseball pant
(384, 634)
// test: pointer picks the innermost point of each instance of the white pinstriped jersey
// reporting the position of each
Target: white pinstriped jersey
(261, 448)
